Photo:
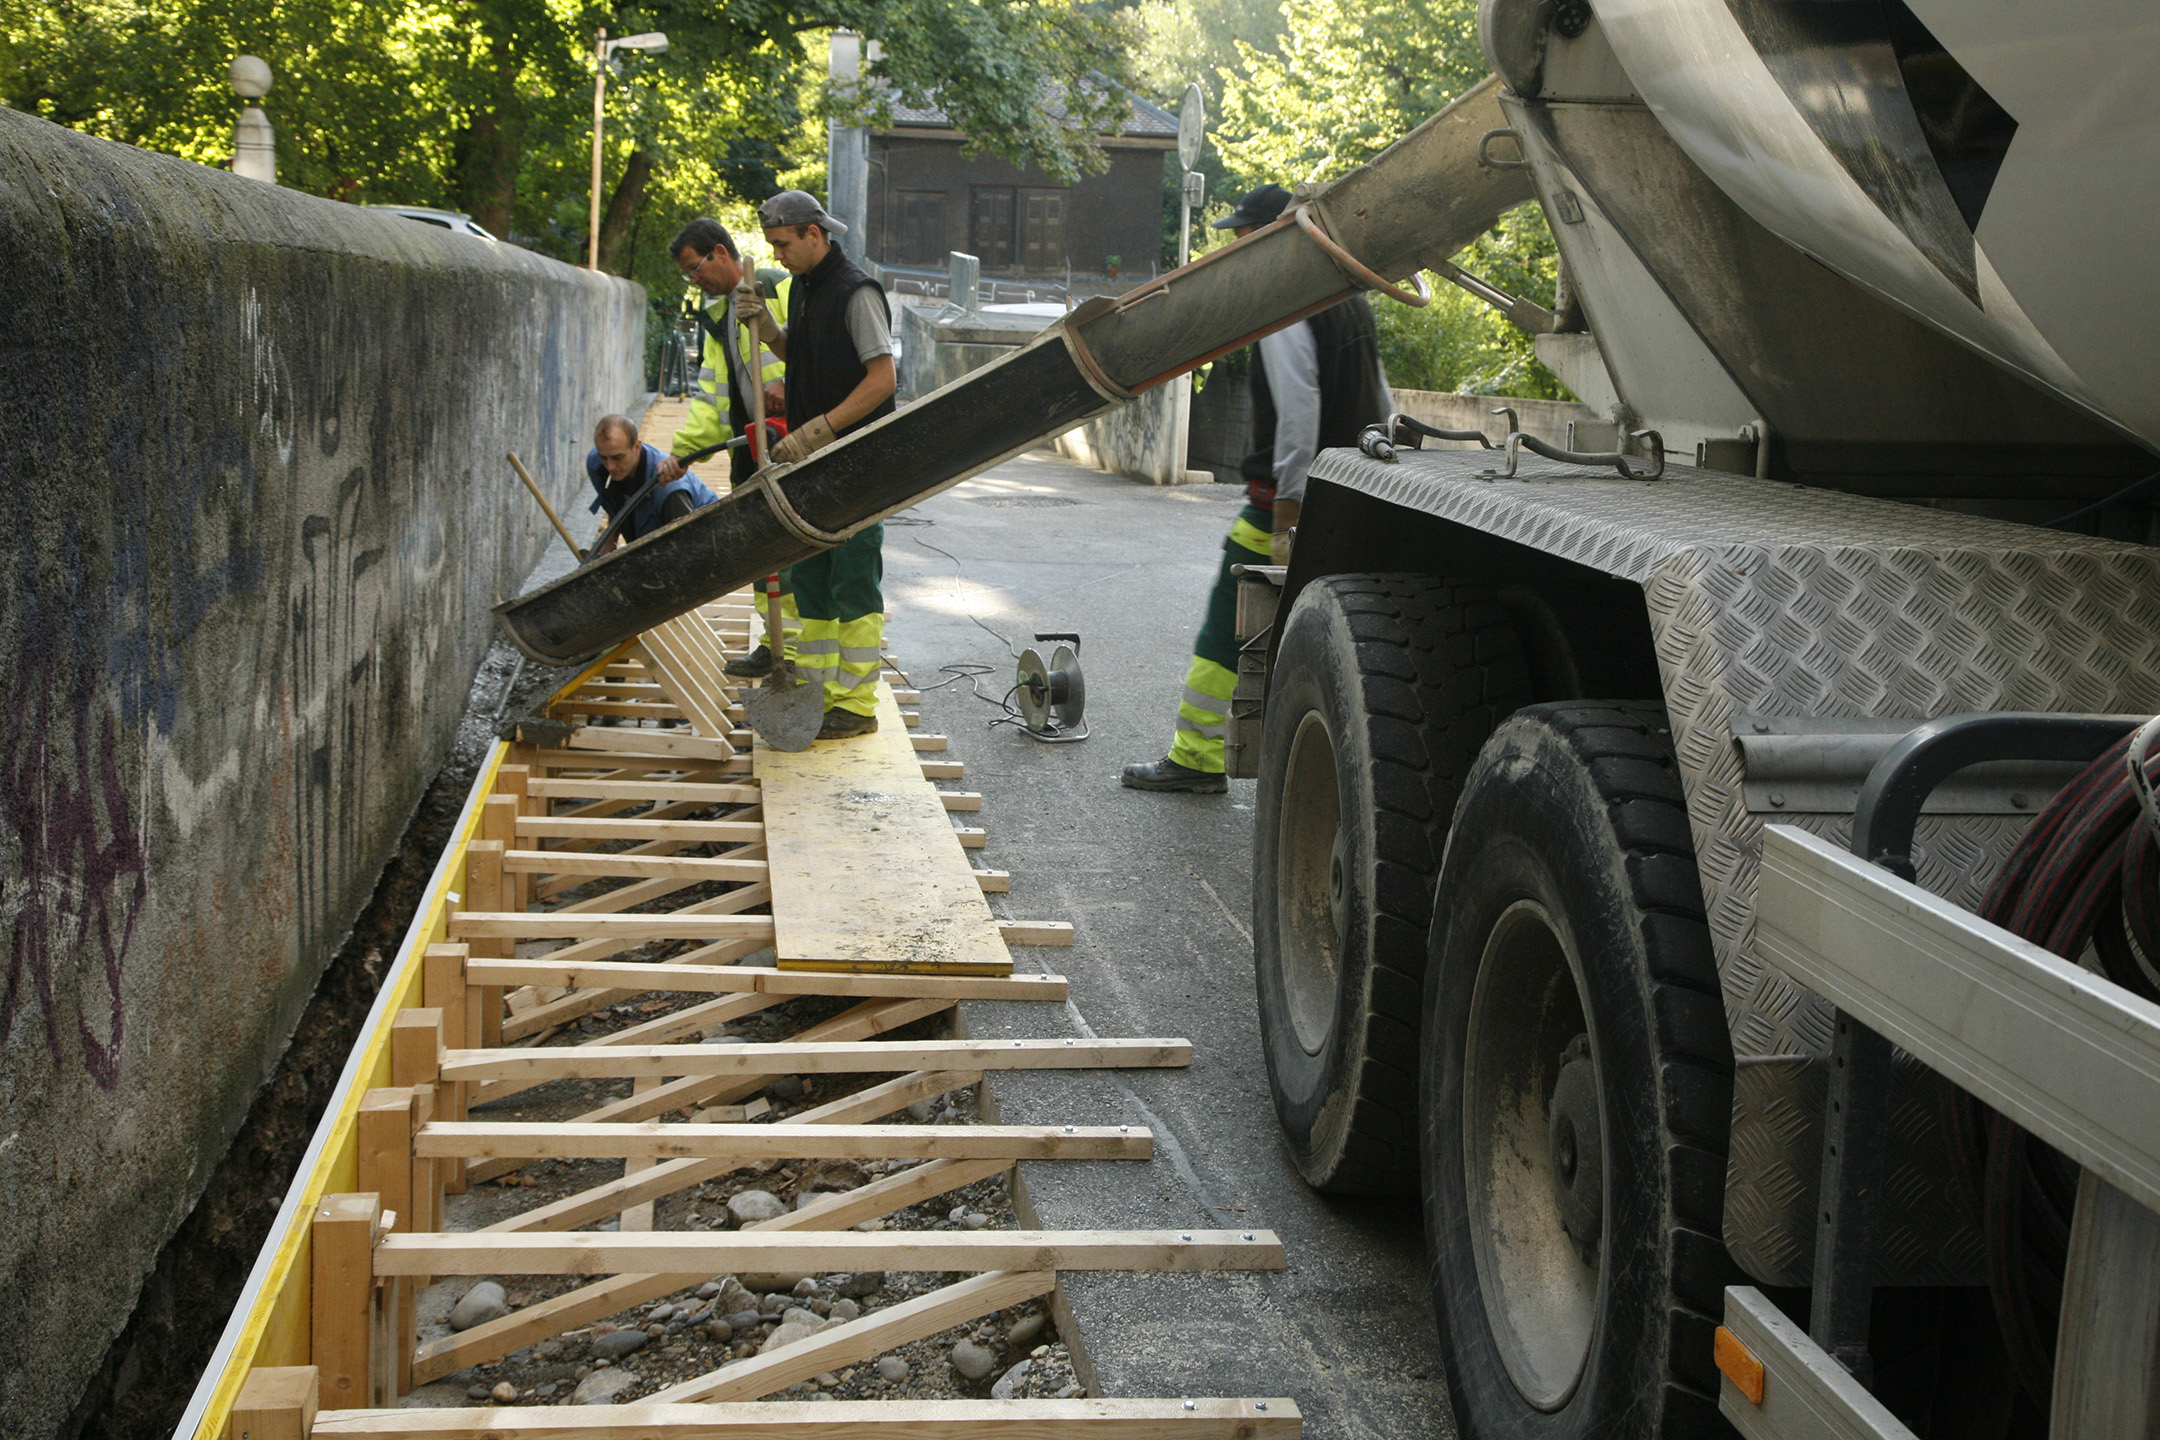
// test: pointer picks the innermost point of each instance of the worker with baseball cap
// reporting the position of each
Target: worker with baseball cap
(838, 347)
(1315, 385)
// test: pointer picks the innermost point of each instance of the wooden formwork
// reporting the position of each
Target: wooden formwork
(835, 884)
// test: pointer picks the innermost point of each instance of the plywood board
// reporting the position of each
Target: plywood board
(865, 871)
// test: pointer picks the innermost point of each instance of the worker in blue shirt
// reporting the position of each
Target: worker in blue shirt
(624, 472)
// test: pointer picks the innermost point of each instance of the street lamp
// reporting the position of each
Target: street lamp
(604, 50)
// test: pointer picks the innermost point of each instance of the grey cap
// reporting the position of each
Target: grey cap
(798, 207)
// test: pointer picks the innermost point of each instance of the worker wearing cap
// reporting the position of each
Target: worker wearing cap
(719, 407)
(839, 354)
(1315, 385)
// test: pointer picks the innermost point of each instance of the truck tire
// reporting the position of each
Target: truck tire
(1384, 688)
(1577, 1090)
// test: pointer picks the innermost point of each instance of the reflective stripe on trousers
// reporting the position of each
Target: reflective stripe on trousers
(1203, 714)
(848, 656)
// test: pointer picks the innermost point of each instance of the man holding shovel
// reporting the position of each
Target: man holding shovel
(734, 374)
(838, 349)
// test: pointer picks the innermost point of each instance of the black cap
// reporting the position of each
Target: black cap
(1259, 207)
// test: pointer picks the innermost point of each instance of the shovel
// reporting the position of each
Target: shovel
(787, 710)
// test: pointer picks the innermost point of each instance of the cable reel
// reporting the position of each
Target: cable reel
(1051, 695)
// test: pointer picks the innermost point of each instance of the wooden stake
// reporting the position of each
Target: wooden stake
(276, 1402)
(484, 892)
(443, 989)
(342, 1237)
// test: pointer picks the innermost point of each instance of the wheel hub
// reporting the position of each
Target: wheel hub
(1533, 1157)
(1313, 884)
(1578, 1150)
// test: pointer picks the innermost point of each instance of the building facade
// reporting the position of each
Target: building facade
(927, 198)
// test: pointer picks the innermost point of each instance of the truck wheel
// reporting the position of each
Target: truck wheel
(1385, 686)
(1577, 1089)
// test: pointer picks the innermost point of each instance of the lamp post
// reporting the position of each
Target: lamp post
(604, 50)
(254, 143)
(1191, 130)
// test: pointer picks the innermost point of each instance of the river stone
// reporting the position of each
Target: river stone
(797, 1315)
(859, 1286)
(892, 1368)
(788, 1334)
(1025, 1333)
(971, 1360)
(484, 1302)
(1003, 1390)
(751, 1206)
(618, 1343)
(744, 1319)
(843, 1309)
(602, 1386)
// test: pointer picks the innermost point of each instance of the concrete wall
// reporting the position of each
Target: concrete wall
(252, 449)
(1137, 439)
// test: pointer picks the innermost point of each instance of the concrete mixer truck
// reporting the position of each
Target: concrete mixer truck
(1724, 891)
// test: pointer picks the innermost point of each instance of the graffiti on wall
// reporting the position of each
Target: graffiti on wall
(81, 873)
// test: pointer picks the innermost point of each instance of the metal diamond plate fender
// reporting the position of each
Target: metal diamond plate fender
(1774, 599)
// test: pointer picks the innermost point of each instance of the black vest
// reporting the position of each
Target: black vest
(822, 367)
(1347, 346)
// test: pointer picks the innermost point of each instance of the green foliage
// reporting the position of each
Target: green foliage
(486, 105)
(1350, 79)
(1182, 41)
(1459, 343)
(1331, 86)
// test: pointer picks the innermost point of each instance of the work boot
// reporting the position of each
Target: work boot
(846, 725)
(754, 666)
(1167, 774)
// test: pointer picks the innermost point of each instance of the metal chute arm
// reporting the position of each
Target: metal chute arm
(1420, 201)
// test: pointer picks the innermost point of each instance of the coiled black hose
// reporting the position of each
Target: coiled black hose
(2086, 874)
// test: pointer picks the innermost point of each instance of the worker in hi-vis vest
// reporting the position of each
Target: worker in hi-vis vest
(719, 408)
(1315, 385)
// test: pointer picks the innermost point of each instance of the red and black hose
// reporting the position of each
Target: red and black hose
(2084, 878)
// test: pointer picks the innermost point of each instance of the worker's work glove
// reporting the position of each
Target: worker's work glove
(1284, 530)
(750, 311)
(804, 440)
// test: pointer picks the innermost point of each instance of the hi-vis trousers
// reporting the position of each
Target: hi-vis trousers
(842, 602)
(1203, 715)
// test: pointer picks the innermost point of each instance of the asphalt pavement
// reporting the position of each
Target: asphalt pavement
(1159, 892)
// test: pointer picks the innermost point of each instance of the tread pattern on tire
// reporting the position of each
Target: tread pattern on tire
(1439, 668)
(1626, 750)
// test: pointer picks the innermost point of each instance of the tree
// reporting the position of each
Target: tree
(1343, 82)
(483, 105)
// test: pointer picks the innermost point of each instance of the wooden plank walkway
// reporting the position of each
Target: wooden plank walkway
(865, 872)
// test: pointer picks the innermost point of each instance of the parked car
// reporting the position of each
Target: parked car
(451, 220)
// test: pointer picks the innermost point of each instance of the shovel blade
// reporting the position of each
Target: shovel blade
(786, 711)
